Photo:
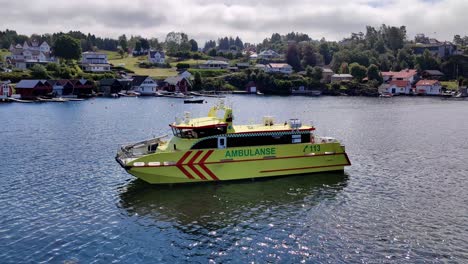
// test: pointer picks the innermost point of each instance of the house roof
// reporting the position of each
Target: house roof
(59, 82)
(426, 82)
(268, 53)
(342, 75)
(161, 54)
(29, 84)
(93, 53)
(400, 83)
(327, 70)
(404, 74)
(215, 62)
(174, 80)
(280, 65)
(79, 81)
(139, 79)
(434, 72)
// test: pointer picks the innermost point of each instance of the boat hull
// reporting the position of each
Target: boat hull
(238, 163)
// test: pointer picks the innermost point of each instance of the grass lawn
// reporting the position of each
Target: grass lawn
(111, 55)
(190, 62)
(4, 52)
(131, 63)
(451, 85)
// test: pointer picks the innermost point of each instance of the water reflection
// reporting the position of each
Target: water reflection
(214, 206)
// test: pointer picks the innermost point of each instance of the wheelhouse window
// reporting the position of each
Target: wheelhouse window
(198, 132)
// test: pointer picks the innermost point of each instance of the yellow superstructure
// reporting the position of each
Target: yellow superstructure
(213, 149)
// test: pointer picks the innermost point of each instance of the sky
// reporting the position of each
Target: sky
(252, 21)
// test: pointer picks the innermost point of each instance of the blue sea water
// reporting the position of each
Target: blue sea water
(404, 200)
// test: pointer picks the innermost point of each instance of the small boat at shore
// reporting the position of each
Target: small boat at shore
(197, 101)
(386, 95)
(211, 148)
(52, 100)
(129, 94)
(178, 95)
(21, 101)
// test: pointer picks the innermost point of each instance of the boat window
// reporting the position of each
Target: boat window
(198, 132)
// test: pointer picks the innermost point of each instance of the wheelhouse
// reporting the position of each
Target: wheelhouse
(193, 132)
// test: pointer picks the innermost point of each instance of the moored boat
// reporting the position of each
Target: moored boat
(213, 149)
(196, 101)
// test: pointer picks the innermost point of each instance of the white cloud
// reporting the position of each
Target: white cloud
(203, 19)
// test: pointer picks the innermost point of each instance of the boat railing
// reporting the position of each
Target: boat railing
(140, 148)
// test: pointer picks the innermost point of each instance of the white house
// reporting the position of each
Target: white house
(157, 57)
(91, 57)
(398, 87)
(28, 54)
(214, 64)
(144, 85)
(279, 68)
(268, 54)
(94, 62)
(341, 77)
(96, 67)
(428, 87)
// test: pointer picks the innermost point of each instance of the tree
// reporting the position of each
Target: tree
(193, 45)
(292, 57)
(67, 48)
(123, 42)
(212, 52)
(138, 46)
(210, 44)
(373, 73)
(317, 73)
(308, 56)
(324, 50)
(380, 46)
(121, 53)
(197, 82)
(427, 62)
(394, 37)
(39, 72)
(144, 44)
(177, 42)
(238, 43)
(357, 71)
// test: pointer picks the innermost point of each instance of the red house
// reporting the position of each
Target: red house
(178, 84)
(5, 90)
(82, 87)
(30, 89)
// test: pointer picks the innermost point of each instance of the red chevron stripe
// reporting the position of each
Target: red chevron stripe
(180, 166)
(202, 165)
(186, 172)
(195, 157)
(184, 157)
(202, 161)
(212, 175)
(191, 166)
(197, 172)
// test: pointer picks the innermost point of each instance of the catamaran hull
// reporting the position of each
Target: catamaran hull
(238, 163)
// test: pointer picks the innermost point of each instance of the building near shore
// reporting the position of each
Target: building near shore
(341, 77)
(94, 62)
(214, 64)
(428, 87)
